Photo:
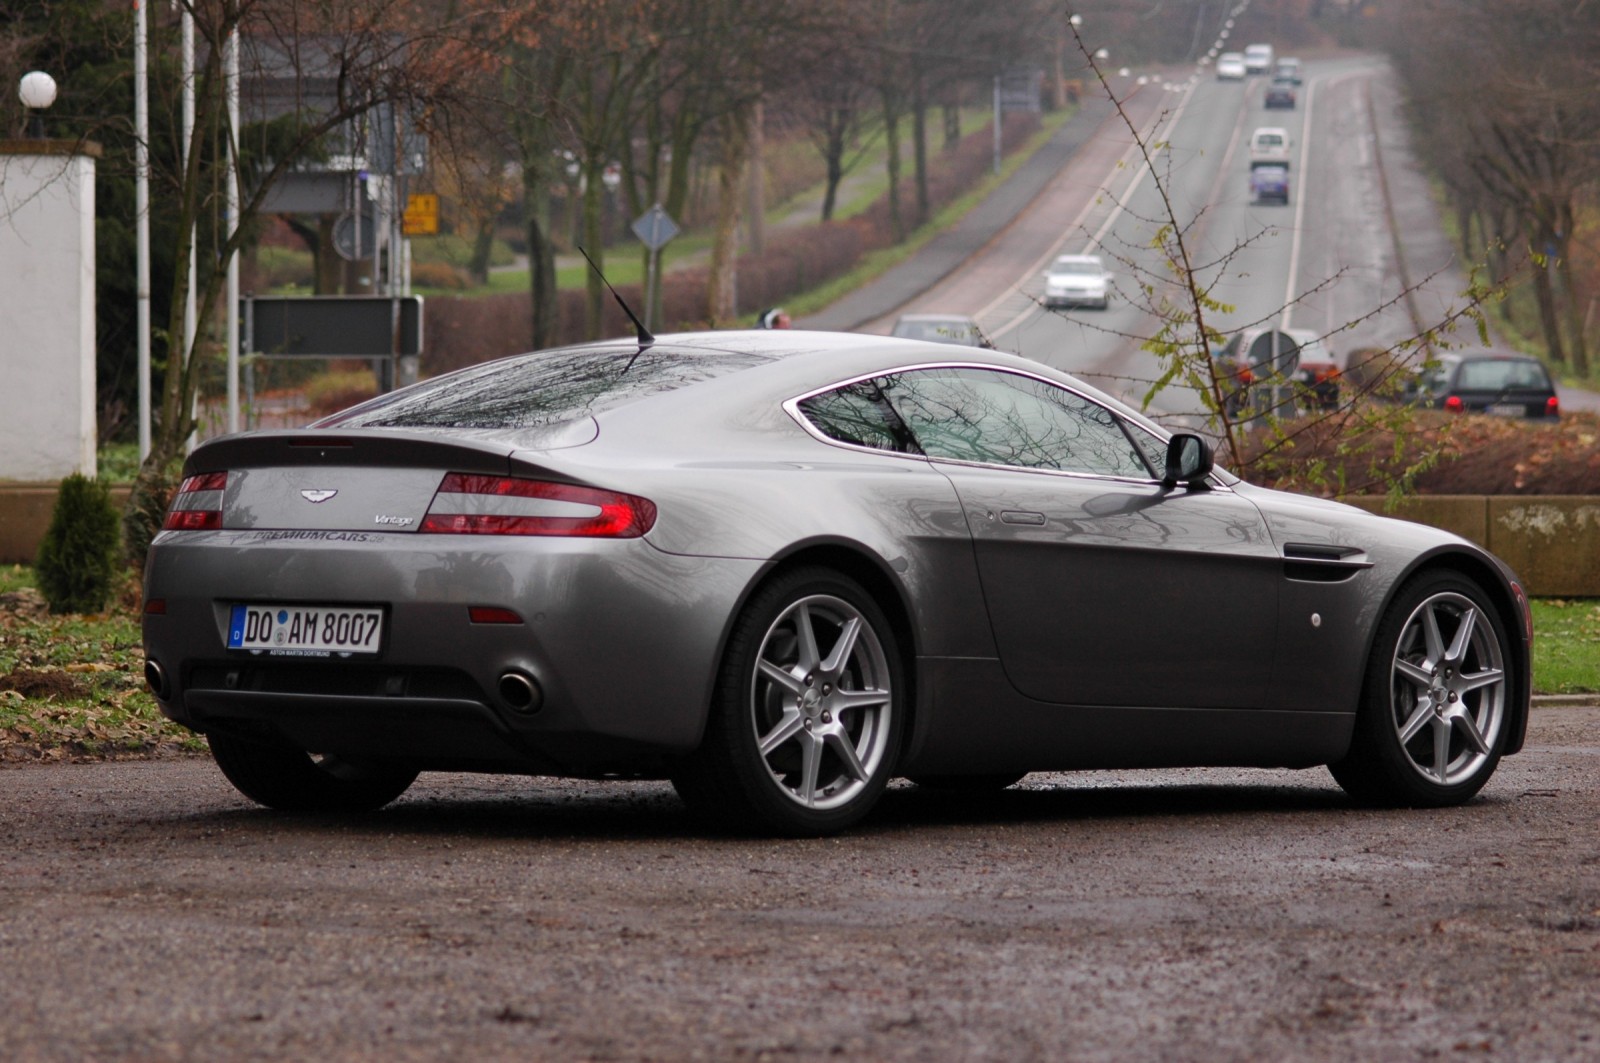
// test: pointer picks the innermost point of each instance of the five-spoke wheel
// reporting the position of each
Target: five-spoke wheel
(1433, 717)
(805, 726)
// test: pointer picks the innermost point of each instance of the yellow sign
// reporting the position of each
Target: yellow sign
(422, 215)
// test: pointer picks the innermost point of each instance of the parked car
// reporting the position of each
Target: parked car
(1230, 66)
(1312, 373)
(1269, 183)
(1077, 280)
(780, 568)
(1493, 382)
(940, 328)
(1258, 58)
(1288, 69)
(1279, 95)
(1269, 144)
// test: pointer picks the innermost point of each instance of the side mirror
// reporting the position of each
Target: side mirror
(1188, 460)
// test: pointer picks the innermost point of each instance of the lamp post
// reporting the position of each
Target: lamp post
(37, 91)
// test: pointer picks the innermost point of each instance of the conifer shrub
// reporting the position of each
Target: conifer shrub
(78, 556)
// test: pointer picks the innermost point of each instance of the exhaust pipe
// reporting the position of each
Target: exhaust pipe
(521, 693)
(155, 678)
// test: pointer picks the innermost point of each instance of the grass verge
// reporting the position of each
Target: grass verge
(1566, 645)
(72, 687)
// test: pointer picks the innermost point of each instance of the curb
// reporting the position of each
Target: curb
(1566, 701)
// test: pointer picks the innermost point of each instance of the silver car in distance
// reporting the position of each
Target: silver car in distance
(782, 568)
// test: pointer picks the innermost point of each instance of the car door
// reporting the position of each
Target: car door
(1102, 586)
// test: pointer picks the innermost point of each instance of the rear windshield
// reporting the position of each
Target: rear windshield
(1508, 375)
(542, 389)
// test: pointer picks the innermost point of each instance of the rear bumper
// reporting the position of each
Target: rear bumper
(621, 640)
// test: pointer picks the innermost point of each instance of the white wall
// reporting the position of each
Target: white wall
(47, 324)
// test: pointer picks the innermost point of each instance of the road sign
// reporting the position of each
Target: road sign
(344, 236)
(654, 228)
(422, 215)
(1275, 350)
(332, 326)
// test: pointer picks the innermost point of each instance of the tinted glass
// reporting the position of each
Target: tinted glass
(545, 388)
(1008, 419)
(1502, 375)
(859, 414)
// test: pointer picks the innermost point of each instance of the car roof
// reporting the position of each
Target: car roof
(965, 319)
(1269, 130)
(1088, 259)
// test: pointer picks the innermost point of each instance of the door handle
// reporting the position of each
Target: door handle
(1021, 516)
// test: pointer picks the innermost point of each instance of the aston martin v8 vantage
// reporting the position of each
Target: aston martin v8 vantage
(782, 568)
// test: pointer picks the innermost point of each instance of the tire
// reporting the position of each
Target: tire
(806, 717)
(1435, 702)
(970, 783)
(282, 777)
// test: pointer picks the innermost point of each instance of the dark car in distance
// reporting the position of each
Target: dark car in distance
(1279, 95)
(1269, 184)
(1506, 385)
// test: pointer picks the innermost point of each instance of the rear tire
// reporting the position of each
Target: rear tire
(282, 777)
(1435, 704)
(806, 717)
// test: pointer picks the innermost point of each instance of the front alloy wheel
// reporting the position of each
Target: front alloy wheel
(1433, 718)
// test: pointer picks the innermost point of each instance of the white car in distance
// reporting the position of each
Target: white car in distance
(1258, 59)
(1077, 280)
(1230, 66)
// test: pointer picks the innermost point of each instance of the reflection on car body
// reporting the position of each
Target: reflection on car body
(782, 568)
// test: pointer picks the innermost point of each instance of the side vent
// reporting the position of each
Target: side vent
(1320, 563)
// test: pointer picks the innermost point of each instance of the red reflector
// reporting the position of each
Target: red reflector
(1246, 377)
(492, 614)
(1552, 406)
(156, 607)
(471, 504)
(1454, 404)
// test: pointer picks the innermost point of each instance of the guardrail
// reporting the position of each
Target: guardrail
(1553, 541)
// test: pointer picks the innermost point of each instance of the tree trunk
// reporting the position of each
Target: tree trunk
(891, 145)
(594, 167)
(722, 295)
(919, 146)
(756, 223)
(541, 252)
(1573, 305)
(482, 249)
(1544, 293)
(839, 122)
(952, 126)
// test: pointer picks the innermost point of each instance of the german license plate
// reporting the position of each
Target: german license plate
(1506, 409)
(305, 630)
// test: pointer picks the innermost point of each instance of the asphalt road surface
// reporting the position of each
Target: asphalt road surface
(148, 913)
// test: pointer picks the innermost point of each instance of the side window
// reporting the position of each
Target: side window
(858, 414)
(1008, 419)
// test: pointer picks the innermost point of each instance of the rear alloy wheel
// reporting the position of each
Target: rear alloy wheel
(282, 777)
(1432, 722)
(806, 721)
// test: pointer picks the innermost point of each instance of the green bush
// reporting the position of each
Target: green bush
(78, 557)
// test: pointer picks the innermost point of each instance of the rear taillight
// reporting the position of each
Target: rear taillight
(1552, 407)
(198, 504)
(1454, 404)
(469, 504)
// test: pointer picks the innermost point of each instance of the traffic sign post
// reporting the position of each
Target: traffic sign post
(1275, 356)
(654, 228)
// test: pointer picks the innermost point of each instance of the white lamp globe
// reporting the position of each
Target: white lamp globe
(37, 90)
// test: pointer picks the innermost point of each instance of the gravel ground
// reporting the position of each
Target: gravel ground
(149, 913)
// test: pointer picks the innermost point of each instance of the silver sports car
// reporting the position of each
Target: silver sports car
(781, 568)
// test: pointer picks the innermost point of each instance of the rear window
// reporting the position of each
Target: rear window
(542, 389)
(1502, 375)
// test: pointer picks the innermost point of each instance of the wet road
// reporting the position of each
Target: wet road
(149, 913)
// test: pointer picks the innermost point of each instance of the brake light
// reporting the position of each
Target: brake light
(1552, 407)
(1246, 377)
(198, 504)
(1454, 404)
(492, 614)
(470, 504)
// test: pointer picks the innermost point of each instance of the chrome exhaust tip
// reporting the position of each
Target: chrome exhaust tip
(155, 678)
(521, 693)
